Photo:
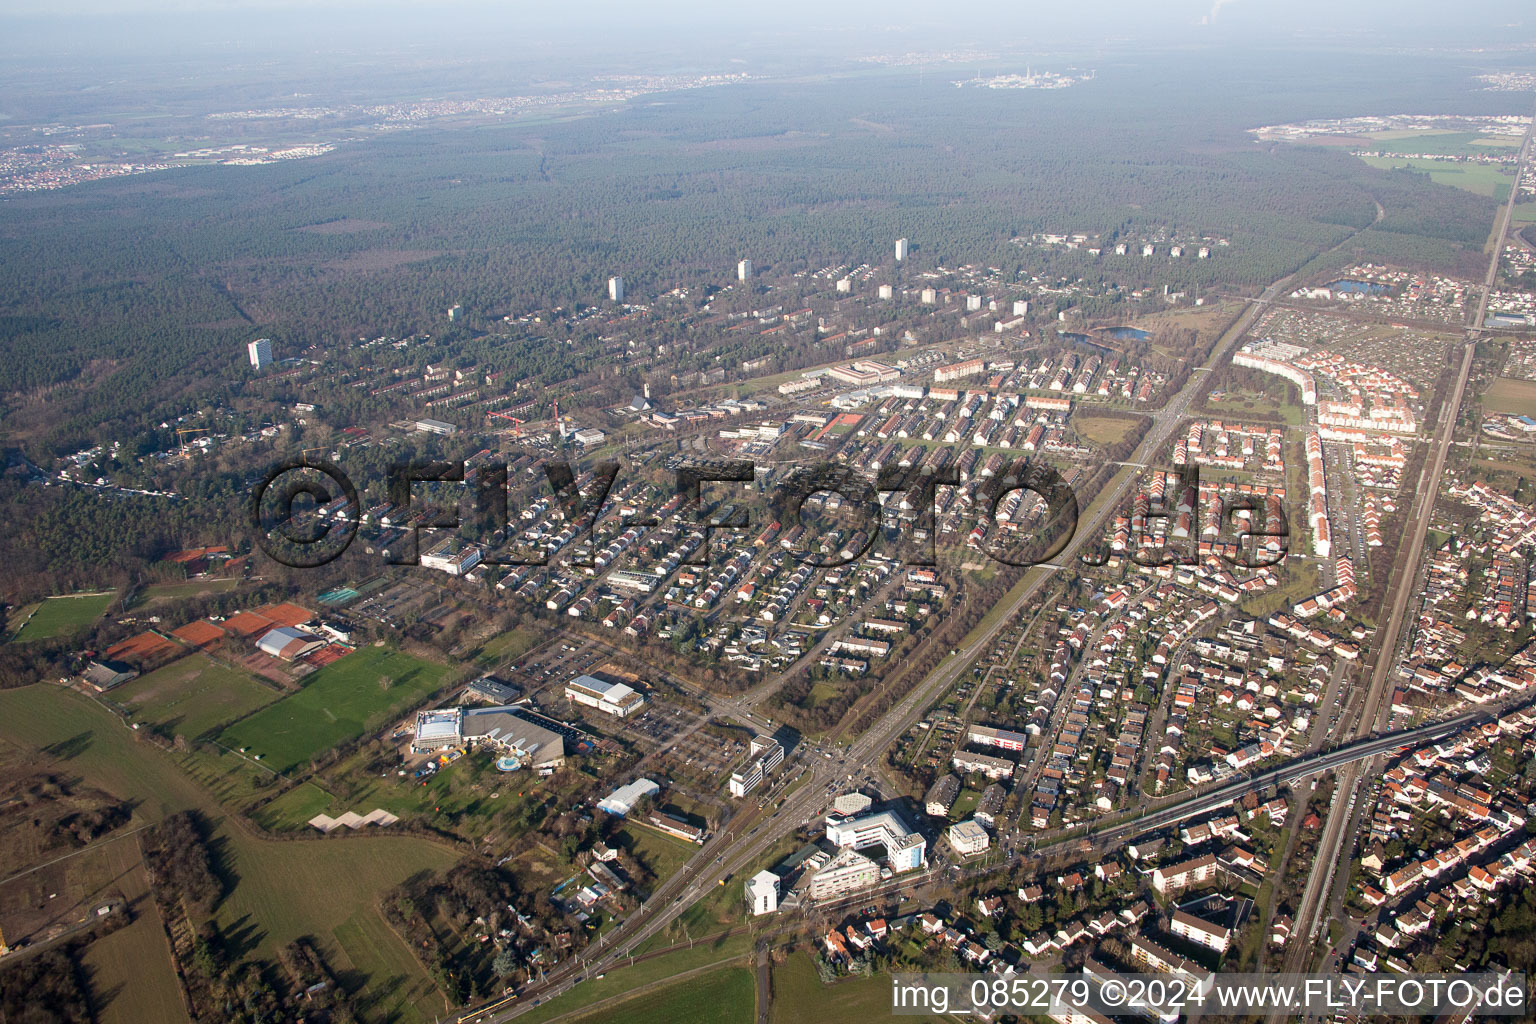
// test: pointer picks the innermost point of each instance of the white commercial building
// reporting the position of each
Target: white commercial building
(617, 699)
(904, 848)
(763, 893)
(743, 270)
(616, 289)
(848, 872)
(901, 249)
(452, 557)
(528, 743)
(766, 755)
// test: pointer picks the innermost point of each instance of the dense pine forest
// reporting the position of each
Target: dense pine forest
(118, 299)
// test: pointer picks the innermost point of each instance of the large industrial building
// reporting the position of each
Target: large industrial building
(499, 726)
(614, 698)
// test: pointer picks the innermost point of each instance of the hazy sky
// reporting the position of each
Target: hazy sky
(167, 25)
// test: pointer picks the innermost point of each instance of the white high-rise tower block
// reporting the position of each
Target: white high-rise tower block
(616, 289)
(260, 352)
(901, 249)
(743, 270)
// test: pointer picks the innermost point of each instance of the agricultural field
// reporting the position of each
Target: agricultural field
(325, 888)
(1441, 143)
(1515, 397)
(63, 616)
(132, 977)
(1484, 179)
(799, 997)
(338, 702)
(192, 696)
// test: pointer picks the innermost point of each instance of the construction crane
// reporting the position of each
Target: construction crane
(181, 438)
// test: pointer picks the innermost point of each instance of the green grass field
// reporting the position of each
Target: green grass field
(1484, 179)
(661, 853)
(619, 980)
(1238, 404)
(799, 997)
(161, 592)
(507, 645)
(339, 702)
(1507, 395)
(1103, 430)
(294, 808)
(192, 696)
(326, 888)
(725, 996)
(64, 616)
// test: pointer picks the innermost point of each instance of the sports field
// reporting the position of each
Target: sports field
(192, 696)
(1507, 395)
(339, 702)
(62, 616)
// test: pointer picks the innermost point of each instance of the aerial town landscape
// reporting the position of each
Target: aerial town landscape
(642, 536)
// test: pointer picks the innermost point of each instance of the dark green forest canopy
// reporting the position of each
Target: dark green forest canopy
(137, 294)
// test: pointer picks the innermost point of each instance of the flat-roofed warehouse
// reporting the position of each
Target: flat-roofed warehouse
(615, 698)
